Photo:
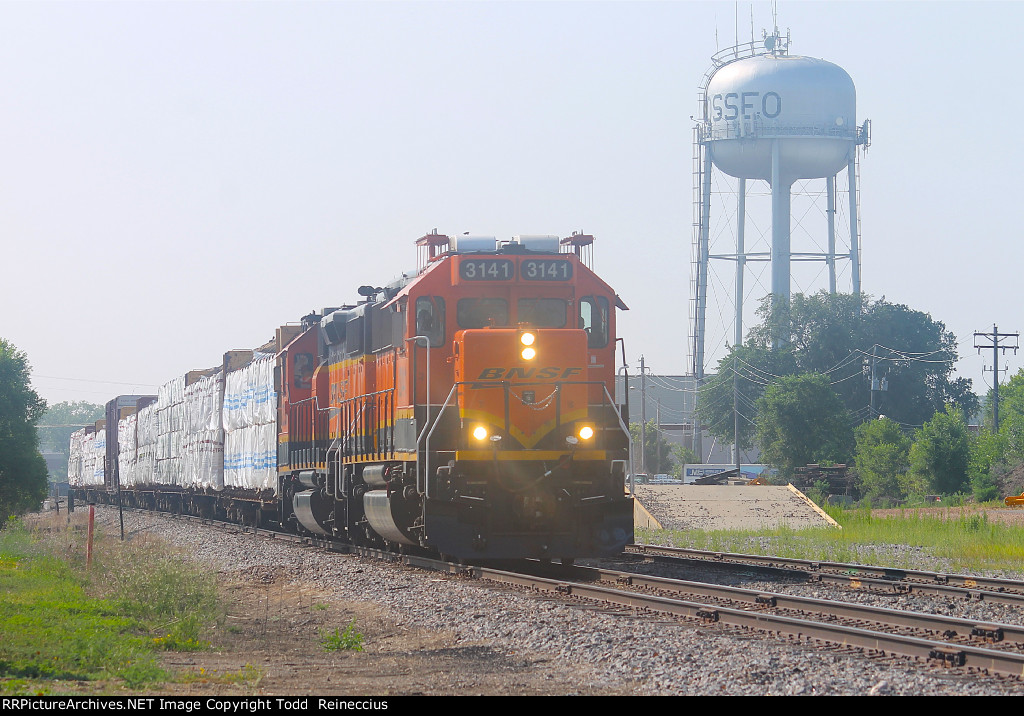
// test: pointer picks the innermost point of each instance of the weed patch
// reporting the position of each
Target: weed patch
(347, 640)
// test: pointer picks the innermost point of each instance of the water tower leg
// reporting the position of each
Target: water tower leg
(702, 297)
(741, 216)
(851, 169)
(702, 269)
(780, 240)
(830, 190)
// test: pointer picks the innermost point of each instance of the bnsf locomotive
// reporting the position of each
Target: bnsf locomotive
(467, 410)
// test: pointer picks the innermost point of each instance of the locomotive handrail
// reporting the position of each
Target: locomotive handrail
(504, 384)
(426, 446)
(304, 417)
(358, 408)
(312, 422)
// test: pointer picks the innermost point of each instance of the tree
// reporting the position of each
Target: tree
(839, 335)
(682, 455)
(941, 452)
(800, 420)
(882, 459)
(996, 454)
(1011, 401)
(23, 483)
(62, 419)
(660, 455)
(756, 367)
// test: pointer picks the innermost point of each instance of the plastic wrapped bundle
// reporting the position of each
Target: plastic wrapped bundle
(202, 439)
(127, 449)
(202, 459)
(76, 458)
(250, 426)
(204, 400)
(146, 438)
(88, 460)
(249, 397)
(170, 413)
(98, 450)
(250, 457)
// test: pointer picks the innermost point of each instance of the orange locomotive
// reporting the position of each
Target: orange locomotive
(467, 410)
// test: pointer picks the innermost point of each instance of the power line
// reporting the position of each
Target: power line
(87, 380)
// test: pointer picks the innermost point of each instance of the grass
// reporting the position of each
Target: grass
(248, 676)
(970, 543)
(61, 622)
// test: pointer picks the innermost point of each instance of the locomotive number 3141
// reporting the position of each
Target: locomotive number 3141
(546, 270)
(487, 270)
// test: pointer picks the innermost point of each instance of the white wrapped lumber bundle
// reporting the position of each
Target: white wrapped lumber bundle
(146, 440)
(170, 413)
(95, 448)
(250, 425)
(127, 449)
(202, 442)
(76, 458)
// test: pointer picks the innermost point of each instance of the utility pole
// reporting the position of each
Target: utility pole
(657, 439)
(877, 385)
(736, 416)
(643, 417)
(993, 339)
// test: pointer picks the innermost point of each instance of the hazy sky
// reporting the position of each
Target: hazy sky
(179, 178)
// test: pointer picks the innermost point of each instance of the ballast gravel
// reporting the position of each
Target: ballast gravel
(601, 650)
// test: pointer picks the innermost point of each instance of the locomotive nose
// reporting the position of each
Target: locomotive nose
(523, 383)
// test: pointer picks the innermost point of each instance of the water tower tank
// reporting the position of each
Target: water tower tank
(804, 105)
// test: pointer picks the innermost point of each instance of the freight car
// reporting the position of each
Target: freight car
(465, 409)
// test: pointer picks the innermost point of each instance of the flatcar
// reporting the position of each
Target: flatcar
(466, 409)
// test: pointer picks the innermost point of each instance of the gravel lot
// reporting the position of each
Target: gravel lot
(443, 635)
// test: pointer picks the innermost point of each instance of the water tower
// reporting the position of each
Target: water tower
(768, 116)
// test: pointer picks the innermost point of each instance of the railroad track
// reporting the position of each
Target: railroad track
(890, 580)
(990, 648)
(949, 641)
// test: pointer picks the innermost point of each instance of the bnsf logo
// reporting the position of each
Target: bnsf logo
(548, 373)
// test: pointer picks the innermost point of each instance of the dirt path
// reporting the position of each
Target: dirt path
(272, 645)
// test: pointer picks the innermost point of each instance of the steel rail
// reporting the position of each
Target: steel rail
(947, 627)
(892, 579)
(874, 642)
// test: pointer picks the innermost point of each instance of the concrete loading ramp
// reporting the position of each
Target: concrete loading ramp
(728, 507)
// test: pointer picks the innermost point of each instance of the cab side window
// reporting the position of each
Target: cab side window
(594, 320)
(430, 319)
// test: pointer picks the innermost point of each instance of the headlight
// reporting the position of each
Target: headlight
(480, 432)
(529, 354)
(586, 432)
(527, 339)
